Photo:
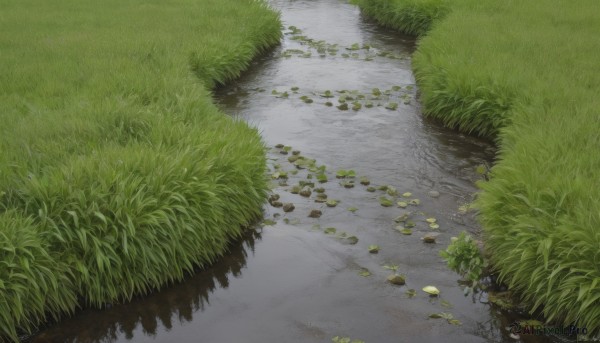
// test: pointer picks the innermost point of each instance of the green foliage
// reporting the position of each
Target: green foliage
(505, 69)
(463, 257)
(117, 173)
(33, 280)
(414, 17)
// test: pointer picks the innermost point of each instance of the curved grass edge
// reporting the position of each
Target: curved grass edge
(504, 70)
(125, 188)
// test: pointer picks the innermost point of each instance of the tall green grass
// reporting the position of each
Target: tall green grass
(526, 73)
(117, 172)
(413, 17)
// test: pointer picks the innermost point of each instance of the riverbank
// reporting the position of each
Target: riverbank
(118, 174)
(526, 75)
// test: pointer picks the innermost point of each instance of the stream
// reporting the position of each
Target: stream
(293, 279)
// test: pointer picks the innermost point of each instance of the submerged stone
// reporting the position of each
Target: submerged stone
(396, 279)
(288, 207)
(315, 214)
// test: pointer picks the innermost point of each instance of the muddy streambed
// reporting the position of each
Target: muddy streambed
(303, 279)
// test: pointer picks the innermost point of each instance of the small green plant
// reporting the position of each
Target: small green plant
(463, 256)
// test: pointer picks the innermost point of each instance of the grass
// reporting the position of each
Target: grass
(118, 174)
(526, 74)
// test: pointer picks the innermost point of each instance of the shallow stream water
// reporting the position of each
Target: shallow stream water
(292, 282)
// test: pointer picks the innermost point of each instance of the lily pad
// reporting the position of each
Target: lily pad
(295, 189)
(454, 322)
(373, 249)
(410, 224)
(327, 94)
(397, 279)
(431, 290)
(431, 220)
(371, 189)
(391, 267)
(354, 46)
(352, 240)
(414, 202)
(306, 99)
(396, 88)
(411, 293)
(402, 204)
(330, 231)
(392, 106)
(434, 226)
(352, 209)
(279, 175)
(329, 104)
(320, 190)
(295, 89)
(382, 188)
(269, 222)
(322, 178)
(321, 198)
(356, 106)
(305, 192)
(293, 159)
(407, 194)
(331, 203)
(364, 181)
(391, 191)
(288, 207)
(364, 272)
(347, 184)
(343, 107)
(405, 231)
(403, 217)
(369, 104)
(385, 201)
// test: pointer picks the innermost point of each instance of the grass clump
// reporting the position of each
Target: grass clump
(525, 74)
(117, 173)
(414, 17)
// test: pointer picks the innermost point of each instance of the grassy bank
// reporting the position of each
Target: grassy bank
(117, 173)
(526, 73)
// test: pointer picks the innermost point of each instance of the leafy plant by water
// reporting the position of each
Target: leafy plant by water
(463, 256)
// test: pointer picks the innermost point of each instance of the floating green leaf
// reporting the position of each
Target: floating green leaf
(364, 272)
(352, 240)
(373, 249)
(431, 290)
(371, 189)
(402, 204)
(385, 201)
(407, 194)
(391, 267)
(330, 231)
(331, 203)
(352, 209)
(392, 106)
(391, 191)
(343, 107)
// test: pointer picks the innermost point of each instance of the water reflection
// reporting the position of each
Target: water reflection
(157, 312)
